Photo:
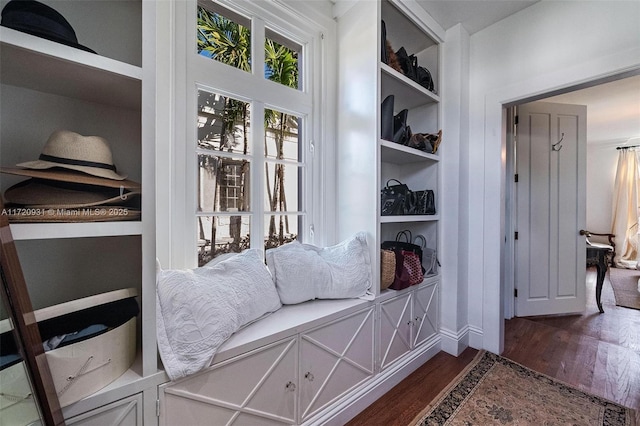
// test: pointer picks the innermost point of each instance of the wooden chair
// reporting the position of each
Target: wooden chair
(611, 246)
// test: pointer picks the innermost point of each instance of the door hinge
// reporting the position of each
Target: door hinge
(515, 177)
(515, 292)
(516, 120)
(515, 235)
(157, 408)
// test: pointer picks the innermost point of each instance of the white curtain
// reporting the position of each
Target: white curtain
(625, 209)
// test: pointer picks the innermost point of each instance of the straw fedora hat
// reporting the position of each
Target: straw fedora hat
(64, 175)
(41, 193)
(69, 150)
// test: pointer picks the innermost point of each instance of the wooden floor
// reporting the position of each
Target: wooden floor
(598, 353)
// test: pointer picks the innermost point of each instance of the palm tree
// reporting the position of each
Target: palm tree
(224, 40)
(230, 43)
(281, 67)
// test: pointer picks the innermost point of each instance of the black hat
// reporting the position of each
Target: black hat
(40, 20)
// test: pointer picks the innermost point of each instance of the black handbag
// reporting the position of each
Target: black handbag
(423, 78)
(384, 57)
(387, 119)
(394, 199)
(424, 202)
(408, 63)
(401, 131)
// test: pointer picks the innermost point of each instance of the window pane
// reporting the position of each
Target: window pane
(224, 36)
(281, 229)
(223, 184)
(282, 138)
(283, 184)
(229, 234)
(223, 123)
(282, 58)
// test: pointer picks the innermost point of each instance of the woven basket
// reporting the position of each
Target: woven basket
(387, 268)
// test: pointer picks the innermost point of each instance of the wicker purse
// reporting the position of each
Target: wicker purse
(387, 268)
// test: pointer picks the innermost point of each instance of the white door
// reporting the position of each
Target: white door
(551, 209)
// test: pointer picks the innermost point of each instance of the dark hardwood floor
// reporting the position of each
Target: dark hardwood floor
(598, 353)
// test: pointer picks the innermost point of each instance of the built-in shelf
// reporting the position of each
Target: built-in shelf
(43, 231)
(45, 66)
(409, 218)
(400, 154)
(407, 93)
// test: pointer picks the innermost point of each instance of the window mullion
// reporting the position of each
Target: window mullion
(257, 47)
(257, 176)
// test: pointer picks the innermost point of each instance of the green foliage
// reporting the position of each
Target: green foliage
(230, 43)
(224, 40)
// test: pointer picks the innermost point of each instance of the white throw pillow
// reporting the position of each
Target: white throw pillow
(199, 309)
(305, 272)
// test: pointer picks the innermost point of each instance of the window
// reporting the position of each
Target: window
(253, 131)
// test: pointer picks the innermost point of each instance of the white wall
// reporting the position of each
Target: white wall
(455, 110)
(548, 46)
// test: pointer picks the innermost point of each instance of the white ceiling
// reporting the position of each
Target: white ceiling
(613, 109)
(474, 15)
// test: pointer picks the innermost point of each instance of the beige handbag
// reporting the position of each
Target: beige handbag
(387, 268)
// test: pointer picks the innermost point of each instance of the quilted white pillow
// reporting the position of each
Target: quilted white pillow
(199, 309)
(305, 272)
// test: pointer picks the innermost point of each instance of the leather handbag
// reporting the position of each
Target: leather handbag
(430, 259)
(401, 279)
(401, 131)
(399, 245)
(410, 67)
(408, 63)
(384, 57)
(423, 202)
(423, 78)
(409, 270)
(395, 199)
(386, 118)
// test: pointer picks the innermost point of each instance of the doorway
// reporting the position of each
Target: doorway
(610, 121)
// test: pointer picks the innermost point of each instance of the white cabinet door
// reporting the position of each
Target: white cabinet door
(126, 412)
(334, 358)
(425, 313)
(255, 389)
(395, 328)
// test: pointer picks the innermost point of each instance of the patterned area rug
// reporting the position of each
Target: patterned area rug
(493, 390)
(625, 287)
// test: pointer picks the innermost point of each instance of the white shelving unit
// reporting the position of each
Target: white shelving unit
(359, 122)
(46, 86)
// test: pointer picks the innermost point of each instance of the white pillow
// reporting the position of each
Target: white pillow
(305, 272)
(199, 309)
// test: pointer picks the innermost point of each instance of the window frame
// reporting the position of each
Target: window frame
(309, 102)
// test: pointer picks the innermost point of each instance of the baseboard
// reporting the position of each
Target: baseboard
(476, 337)
(454, 343)
(370, 391)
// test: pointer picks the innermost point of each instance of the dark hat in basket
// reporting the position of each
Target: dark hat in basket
(44, 193)
(69, 150)
(40, 20)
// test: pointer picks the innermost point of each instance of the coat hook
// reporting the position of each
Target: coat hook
(557, 146)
